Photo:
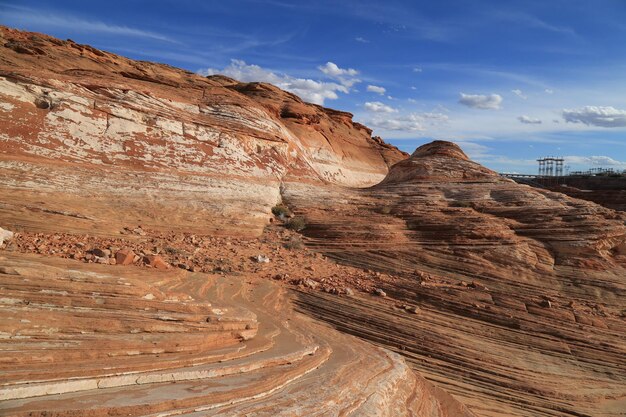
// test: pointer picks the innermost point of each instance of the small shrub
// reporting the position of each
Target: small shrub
(295, 242)
(297, 223)
(280, 210)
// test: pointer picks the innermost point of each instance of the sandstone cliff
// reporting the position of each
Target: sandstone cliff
(511, 298)
(84, 125)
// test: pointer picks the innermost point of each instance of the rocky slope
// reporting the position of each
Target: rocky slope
(89, 340)
(508, 297)
(604, 190)
(89, 129)
(521, 290)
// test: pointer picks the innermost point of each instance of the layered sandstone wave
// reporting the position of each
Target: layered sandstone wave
(509, 297)
(608, 191)
(89, 340)
(80, 124)
(521, 290)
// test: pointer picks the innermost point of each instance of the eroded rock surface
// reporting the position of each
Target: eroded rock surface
(508, 297)
(93, 340)
(89, 128)
(521, 290)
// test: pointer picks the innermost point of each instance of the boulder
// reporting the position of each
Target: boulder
(379, 292)
(101, 253)
(155, 261)
(125, 257)
(262, 259)
(5, 236)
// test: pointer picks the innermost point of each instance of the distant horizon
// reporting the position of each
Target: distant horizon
(409, 146)
(508, 82)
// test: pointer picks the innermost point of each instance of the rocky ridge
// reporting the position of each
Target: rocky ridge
(508, 297)
(82, 124)
(508, 278)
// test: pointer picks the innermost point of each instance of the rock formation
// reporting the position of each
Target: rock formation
(508, 297)
(79, 340)
(91, 129)
(521, 290)
(608, 191)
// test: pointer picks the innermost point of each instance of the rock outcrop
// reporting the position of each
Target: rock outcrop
(94, 129)
(608, 191)
(510, 298)
(521, 290)
(78, 339)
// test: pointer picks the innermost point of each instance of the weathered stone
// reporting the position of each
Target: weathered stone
(101, 253)
(261, 259)
(379, 292)
(125, 257)
(5, 236)
(8, 271)
(155, 261)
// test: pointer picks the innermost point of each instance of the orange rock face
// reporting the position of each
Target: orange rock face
(508, 297)
(124, 257)
(106, 134)
(170, 342)
(543, 315)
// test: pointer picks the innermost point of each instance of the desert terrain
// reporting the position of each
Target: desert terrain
(190, 245)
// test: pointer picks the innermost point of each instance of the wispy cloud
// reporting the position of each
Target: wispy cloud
(528, 19)
(527, 120)
(519, 93)
(26, 17)
(376, 89)
(480, 101)
(378, 107)
(596, 116)
(601, 160)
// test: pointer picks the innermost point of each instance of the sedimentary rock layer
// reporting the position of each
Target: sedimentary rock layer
(93, 340)
(606, 190)
(80, 124)
(521, 290)
(509, 297)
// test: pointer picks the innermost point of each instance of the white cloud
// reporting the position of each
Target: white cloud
(346, 76)
(362, 40)
(548, 91)
(417, 69)
(412, 122)
(376, 89)
(309, 90)
(529, 120)
(332, 70)
(378, 107)
(413, 87)
(519, 93)
(19, 16)
(479, 101)
(596, 116)
(411, 100)
(594, 160)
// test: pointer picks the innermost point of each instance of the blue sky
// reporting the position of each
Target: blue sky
(510, 81)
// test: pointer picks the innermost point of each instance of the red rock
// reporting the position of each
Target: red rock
(125, 257)
(155, 261)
